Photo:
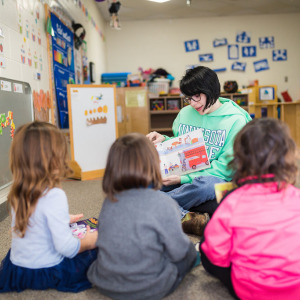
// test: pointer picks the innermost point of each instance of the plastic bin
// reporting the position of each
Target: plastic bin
(158, 87)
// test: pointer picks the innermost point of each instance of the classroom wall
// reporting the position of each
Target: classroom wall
(30, 16)
(160, 44)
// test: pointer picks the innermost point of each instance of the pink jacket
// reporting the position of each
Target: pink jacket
(256, 230)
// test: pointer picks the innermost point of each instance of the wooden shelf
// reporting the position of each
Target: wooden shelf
(163, 111)
(161, 129)
(158, 112)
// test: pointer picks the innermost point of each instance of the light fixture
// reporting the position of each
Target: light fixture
(159, 1)
(188, 2)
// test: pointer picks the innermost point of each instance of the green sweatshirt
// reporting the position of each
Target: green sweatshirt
(219, 129)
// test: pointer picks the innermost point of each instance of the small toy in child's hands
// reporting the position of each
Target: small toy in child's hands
(221, 189)
(79, 228)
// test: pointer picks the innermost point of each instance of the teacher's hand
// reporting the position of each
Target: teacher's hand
(170, 180)
(155, 137)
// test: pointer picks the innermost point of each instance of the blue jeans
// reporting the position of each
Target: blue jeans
(202, 189)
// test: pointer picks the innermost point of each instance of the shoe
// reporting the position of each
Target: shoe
(195, 223)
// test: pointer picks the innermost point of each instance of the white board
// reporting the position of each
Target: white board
(93, 124)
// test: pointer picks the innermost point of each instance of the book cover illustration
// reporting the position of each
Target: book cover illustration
(221, 189)
(79, 228)
(183, 154)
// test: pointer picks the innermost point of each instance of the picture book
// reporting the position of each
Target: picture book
(79, 228)
(183, 154)
(221, 189)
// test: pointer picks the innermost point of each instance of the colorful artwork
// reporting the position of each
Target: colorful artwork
(220, 42)
(192, 45)
(1, 48)
(249, 51)
(23, 54)
(238, 66)
(206, 57)
(279, 55)
(243, 37)
(41, 105)
(233, 51)
(6, 121)
(266, 42)
(261, 65)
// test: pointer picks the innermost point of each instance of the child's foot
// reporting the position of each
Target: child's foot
(195, 223)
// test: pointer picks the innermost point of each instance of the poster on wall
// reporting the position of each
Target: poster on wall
(63, 66)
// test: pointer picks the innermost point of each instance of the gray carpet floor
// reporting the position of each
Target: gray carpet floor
(87, 197)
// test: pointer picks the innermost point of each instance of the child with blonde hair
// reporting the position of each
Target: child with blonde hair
(252, 242)
(44, 254)
(142, 250)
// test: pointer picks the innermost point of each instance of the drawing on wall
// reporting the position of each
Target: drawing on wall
(1, 47)
(206, 57)
(27, 28)
(29, 58)
(266, 42)
(41, 105)
(219, 42)
(243, 37)
(261, 65)
(7, 121)
(233, 51)
(238, 66)
(23, 54)
(97, 111)
(279, 55)
(1, 32)
(1, 42)
(2, 62)
(192, 45)
(249, 51)
(220, 70)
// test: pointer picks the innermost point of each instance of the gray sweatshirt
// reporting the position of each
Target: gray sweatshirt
(140, 240)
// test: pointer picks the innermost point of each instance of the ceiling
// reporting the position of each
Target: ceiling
(134, 10)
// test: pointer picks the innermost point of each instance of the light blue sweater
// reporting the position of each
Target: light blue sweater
(48, 238)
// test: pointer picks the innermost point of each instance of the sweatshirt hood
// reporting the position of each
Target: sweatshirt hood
(228, 108)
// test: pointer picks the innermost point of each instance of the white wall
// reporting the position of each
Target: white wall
(155, 44)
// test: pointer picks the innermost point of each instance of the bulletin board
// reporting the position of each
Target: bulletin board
(93, 128)
(16, 109)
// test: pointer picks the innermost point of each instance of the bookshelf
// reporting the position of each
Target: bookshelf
(163, 111)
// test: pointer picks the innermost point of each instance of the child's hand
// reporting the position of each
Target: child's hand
(89, 240)
(170, 180)
(155, 137)
(75, 218)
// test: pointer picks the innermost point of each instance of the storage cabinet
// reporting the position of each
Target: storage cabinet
(132, 110)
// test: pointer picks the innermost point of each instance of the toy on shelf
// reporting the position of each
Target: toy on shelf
(173, 104)
(157, 105)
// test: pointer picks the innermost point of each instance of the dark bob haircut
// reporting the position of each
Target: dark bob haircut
(201, 80)
(264, 146)
(132, 162)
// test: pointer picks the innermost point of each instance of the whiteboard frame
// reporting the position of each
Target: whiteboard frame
(75, 166)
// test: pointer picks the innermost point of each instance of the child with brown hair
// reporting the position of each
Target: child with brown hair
(142, 250)
(44, 253)
(252, 241)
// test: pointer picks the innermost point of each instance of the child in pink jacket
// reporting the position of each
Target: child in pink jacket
(252, 242)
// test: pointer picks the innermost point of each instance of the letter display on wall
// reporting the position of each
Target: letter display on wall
(63, 66)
